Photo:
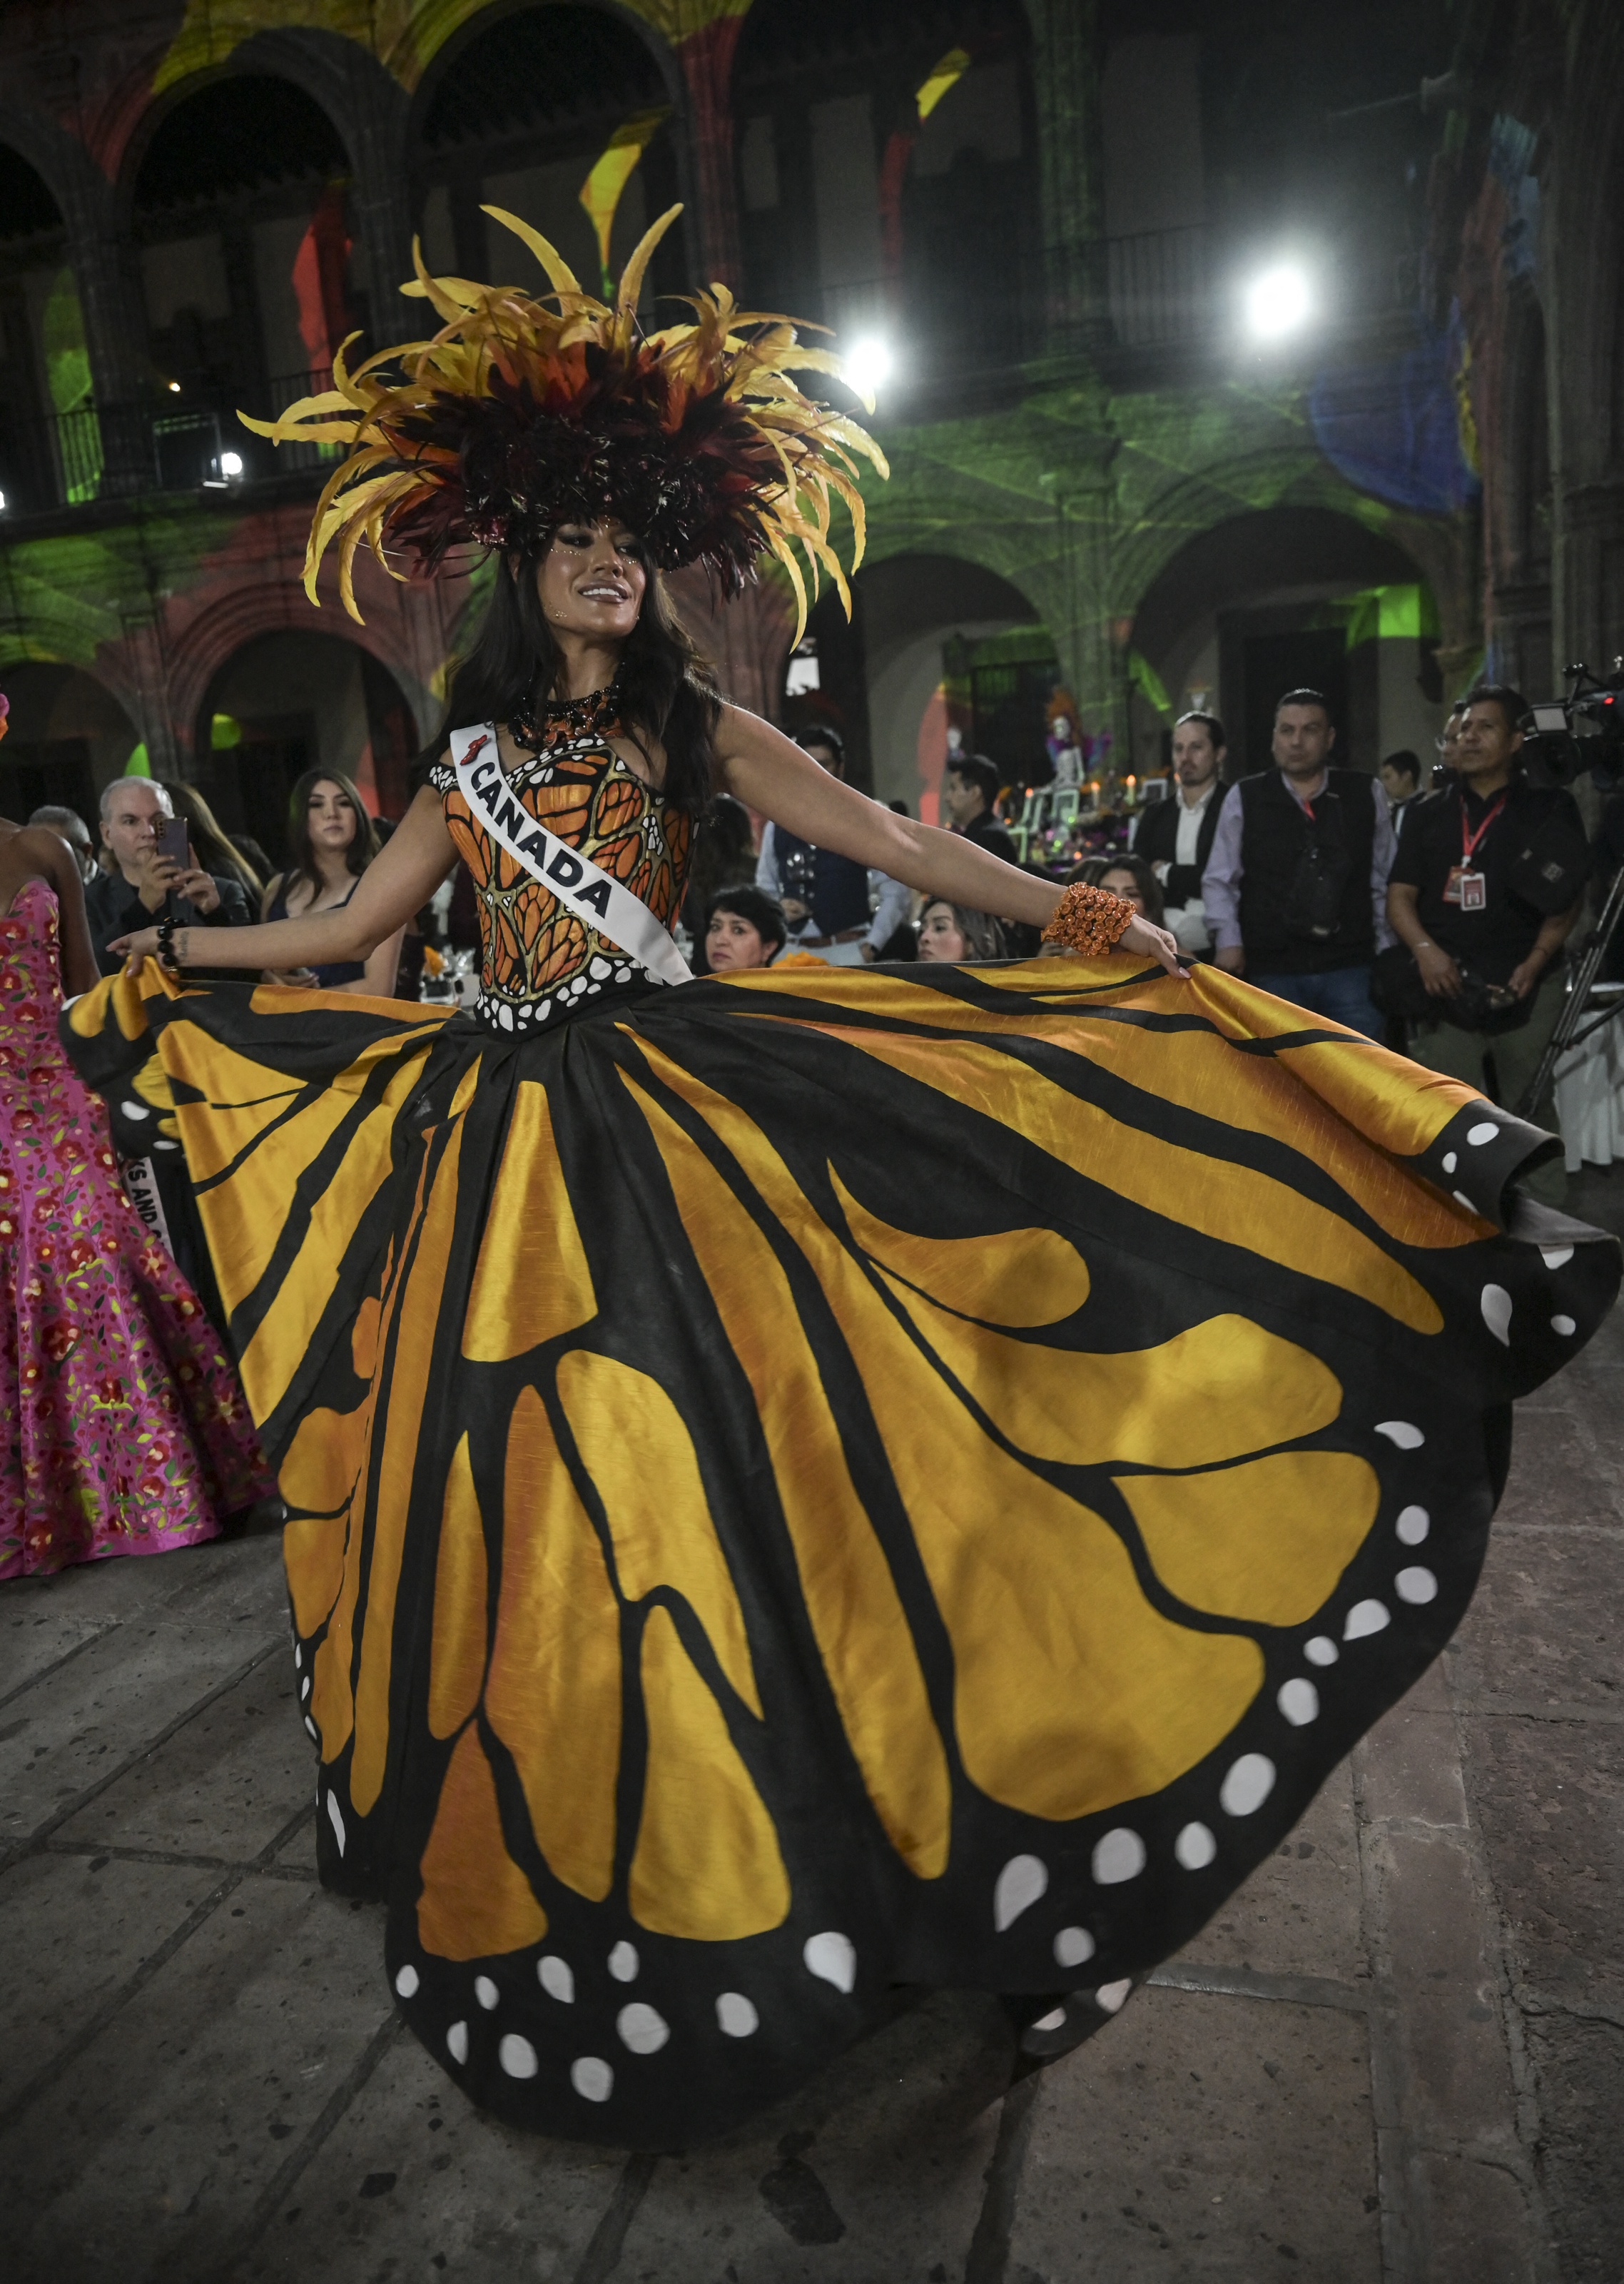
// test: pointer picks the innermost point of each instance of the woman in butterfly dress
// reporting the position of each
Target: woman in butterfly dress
(811, 1480)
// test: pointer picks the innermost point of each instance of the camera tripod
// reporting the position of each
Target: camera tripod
(1572, 1026)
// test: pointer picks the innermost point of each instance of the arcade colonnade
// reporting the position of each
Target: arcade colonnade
(1088, 483)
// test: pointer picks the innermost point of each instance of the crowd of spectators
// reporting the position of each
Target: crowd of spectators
(1432, 917)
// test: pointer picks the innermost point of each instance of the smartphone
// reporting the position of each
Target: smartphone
(172, 842)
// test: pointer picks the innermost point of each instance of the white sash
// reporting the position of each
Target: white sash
(583, 888)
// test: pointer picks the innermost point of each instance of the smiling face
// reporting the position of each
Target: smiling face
(730, 940)
(591, 580)
(941, 936)
(332, 819)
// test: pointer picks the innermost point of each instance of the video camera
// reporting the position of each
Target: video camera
(1564, 737)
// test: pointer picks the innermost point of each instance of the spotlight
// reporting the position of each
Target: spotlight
(175, 388)
(230, 464)
(868, 365)
(1278, 302)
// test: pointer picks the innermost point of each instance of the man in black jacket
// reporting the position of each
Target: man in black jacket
(1175, 837)
(1295, 889)
(968, 791)
(144, 887)
(1481, 865)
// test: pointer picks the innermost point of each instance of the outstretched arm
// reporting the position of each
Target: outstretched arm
(395, 886)
(764, 769)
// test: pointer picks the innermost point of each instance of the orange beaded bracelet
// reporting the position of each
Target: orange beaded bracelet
(1088, 920)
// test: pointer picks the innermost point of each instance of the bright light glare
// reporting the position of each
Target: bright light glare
(868, 364)
(1278, 302)
(230, 464)
(175, 388)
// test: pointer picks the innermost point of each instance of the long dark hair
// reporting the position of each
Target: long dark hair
(669, 692)
(363, 844)
(211, 845)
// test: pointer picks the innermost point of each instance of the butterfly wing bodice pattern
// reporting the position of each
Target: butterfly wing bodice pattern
(808, 1482)
(538, 961)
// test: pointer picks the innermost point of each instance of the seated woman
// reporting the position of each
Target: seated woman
(743, 927)
(1132, 879)
(954, 932)
(333, 842)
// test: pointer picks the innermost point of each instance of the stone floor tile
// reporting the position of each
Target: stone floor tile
(146, 2164)
(1546, 1795)
(1478, 2227)
(298, 1850)
(117, 1696)
(414, 2181)
(72, 1930)
(874, 2174)
(1562, 1471)
(1205, 2140)
(37, 1634)
(225, 1785)
(1458, 2086)
(1298, 1912)
(1545, 1626)
(1408, 1769)
(1580, 2066)
(1431, 1915)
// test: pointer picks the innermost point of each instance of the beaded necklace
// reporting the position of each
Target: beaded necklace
(592, 715)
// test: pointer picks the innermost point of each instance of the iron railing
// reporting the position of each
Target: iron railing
(1157, 291)
(168, 443)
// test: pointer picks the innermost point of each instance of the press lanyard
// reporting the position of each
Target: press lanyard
(1469, 841)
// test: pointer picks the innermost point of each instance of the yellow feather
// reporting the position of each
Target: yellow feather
(631, 276)
(559, 274)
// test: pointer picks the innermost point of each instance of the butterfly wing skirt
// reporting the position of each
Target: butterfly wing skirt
(809, 1482)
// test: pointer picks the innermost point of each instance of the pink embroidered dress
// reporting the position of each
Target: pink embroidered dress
(122, 1428)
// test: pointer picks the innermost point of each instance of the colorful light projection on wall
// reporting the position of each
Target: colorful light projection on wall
(600, 194)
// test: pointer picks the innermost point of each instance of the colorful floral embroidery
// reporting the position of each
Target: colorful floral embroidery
(122, 1428)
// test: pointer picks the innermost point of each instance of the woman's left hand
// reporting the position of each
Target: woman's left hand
(142, 945)
(1154, 944)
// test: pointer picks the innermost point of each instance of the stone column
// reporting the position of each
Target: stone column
(378, 111)
(1071, 199)
(1076, 586)
(707, 58)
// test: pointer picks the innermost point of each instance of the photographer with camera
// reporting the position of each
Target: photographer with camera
(1294, 887)
(1484, 890)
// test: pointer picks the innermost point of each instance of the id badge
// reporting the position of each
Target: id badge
(1474, 892)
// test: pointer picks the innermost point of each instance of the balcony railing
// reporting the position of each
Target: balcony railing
(168, 443)
(1159, 291)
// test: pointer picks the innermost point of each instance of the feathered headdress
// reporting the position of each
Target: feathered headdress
(519, 416)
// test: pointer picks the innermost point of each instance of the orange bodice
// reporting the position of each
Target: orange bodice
(538, 960)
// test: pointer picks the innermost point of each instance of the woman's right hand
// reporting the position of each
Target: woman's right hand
(142, 945)
(1141, 937)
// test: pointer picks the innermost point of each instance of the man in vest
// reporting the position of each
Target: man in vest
(1295, 889)
(826, 898)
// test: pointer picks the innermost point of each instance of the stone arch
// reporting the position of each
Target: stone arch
(911, 603)
(294, 696)
(268, 55)
(627, 67)
(1240, 611)
(405, 637)
(70, 733)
